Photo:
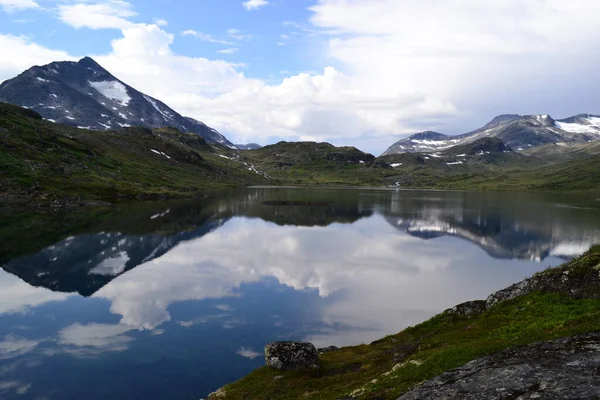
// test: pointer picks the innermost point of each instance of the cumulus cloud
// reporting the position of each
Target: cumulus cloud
(17, 296)
(532, 56)
(254, 4)
(393, 292)
(423, 65)
(25, 53)
(107, 14)
(14, 5)
(98, 337)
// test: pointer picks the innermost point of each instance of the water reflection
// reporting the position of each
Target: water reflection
(179, 298)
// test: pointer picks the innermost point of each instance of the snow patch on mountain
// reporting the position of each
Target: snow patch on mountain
(153, 103)
(111, 266)
(113, 90)
(580, 128)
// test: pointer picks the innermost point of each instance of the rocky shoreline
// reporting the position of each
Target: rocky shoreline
(503, 339)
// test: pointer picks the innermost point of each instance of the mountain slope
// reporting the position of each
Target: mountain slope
(43, 162)
(519, 132)
(83, 94)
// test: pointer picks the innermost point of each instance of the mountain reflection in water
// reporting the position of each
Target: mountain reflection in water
(178, 298)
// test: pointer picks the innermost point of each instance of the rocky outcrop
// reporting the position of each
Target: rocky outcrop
(287, 356)
(468, 309)
(578, 283)
(567, 368)
(579, 280)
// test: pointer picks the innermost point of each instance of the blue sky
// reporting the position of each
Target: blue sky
(266, 40)
(353, 72)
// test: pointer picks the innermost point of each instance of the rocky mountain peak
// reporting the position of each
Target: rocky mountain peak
(86, 95)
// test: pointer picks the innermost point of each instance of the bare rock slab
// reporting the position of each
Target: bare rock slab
(289, 356)
(566, 369)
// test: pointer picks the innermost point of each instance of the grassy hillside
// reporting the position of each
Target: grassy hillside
(45, 162)
(391, 366)
(316, 164)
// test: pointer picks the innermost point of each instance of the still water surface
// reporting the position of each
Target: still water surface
(173, 300)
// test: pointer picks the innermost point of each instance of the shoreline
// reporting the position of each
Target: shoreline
(560, 302)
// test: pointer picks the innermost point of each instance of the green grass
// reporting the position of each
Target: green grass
(41, 161)
(391, 366)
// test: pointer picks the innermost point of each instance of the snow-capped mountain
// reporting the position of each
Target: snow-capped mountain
(85, 95)
(517, 131)
(249, 146)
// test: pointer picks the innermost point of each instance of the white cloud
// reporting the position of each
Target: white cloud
(14, 5)
(160, 22)
(392, 293)
(531, 55)
(238, 35)
(17, 296)
(12, 346)
(205, 37)
(101, 15)
(228, 51)
(254, 4)
(423, 65)
(101, 336)
(247, 353)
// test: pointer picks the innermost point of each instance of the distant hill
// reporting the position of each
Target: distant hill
(520, 132)
(85, 95)
(249, 146)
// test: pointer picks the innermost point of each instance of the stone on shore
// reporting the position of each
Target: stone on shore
(289, 356)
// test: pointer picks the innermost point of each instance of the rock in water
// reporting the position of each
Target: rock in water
(288, 356)
(565, 369)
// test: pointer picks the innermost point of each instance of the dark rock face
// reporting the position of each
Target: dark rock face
(567, 368)
(468, 309)
(287, 356)
(84, 94)
(577, 284)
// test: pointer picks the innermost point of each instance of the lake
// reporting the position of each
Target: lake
(173, 300)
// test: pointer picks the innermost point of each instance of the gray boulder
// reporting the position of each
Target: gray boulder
(288, 356)
(566, 369)
(468, 309)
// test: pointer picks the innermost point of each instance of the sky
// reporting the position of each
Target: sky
(351, 72)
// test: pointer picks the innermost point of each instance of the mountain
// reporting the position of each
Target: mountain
(519, 132)
(85, 95)
(249, 146)
(47, 163)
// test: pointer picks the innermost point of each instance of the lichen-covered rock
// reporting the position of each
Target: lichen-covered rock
(468, 309)
(287, 356)
(566, 369)
(580, 280)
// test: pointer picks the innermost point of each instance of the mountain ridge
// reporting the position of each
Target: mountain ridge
(83, 94)
(516, 131)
